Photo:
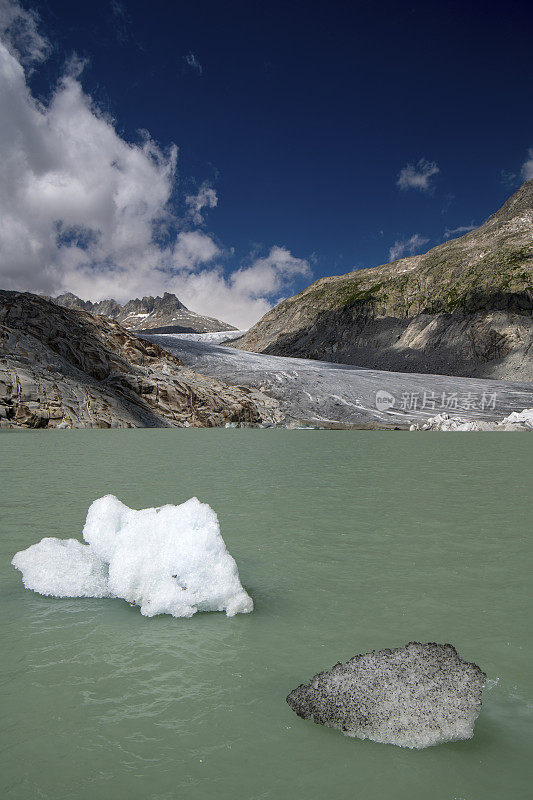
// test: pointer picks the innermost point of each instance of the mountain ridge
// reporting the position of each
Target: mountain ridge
(166, 314)
(463, 308)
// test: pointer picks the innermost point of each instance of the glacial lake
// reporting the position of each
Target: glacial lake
(347, 541)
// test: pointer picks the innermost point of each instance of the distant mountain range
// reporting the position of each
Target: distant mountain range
(463, 308)
(165, 314)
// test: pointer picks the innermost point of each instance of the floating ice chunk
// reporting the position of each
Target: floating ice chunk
(62, 568)
(443, 422)
(414, 696)
(167, 560)
(516, 421)
(524, 417)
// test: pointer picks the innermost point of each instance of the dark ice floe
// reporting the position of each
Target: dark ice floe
(413, 696)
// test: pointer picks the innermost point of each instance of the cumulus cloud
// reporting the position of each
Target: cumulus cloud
(206, 197)
(268, 275)
(193, 63)
(83, 210)
(64, 168)
(452, 233)
(20, 34)
(417, 176)
(527, 167)
(245, 295)
(407, 247)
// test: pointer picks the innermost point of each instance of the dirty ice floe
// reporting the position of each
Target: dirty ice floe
(167, 560)
(413, 696)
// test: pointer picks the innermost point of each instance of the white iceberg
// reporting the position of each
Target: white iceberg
(524, 417)
(167, 560)
(62, 568)
(516, 421)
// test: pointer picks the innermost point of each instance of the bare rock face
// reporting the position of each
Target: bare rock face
(414, 696)
(66, 368)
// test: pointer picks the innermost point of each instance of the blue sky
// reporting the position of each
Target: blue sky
(330, 134)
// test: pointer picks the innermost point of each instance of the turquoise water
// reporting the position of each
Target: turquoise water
(348, 541)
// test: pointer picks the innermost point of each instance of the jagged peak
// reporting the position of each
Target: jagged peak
(140, 313)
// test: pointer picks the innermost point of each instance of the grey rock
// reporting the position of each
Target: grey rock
(64, 367)
(413, 696)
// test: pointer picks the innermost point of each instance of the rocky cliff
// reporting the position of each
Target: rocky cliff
(66, 368)
(165, 314)
(464, 308)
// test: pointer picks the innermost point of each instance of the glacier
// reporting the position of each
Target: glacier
(413, 696)
(166, 560)
(311, 392)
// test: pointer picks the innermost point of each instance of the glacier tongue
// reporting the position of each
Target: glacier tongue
(167, 560)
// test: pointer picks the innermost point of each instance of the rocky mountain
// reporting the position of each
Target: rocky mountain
(164, 314)
(63, 367)
(463, 308)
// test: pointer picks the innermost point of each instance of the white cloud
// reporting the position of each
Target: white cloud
(407, 247)
(527, 167)
(63, 167)
(18, 29)
(268, 275)
(206, 197)
(83, 210)
(192, 61)
(452, 233)
(417, 176)
(244, 296)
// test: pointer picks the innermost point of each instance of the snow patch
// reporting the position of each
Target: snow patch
(167, 560)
